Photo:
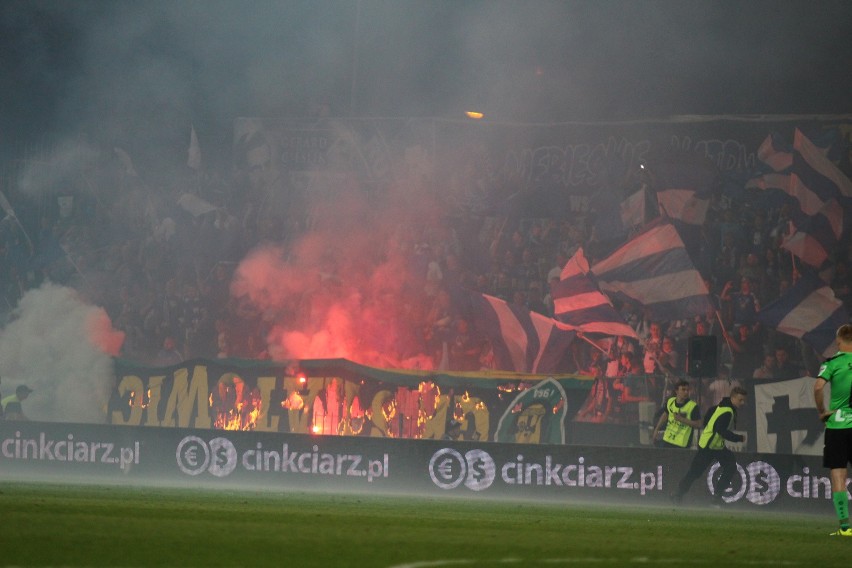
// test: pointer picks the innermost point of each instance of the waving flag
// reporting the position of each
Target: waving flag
(193, 158)
(816, 171)
(654, 270)
(522, 341)
(773, 154)
(804, 175)
(820, 234)
(808, 310)
(579, 302)
(684, 185)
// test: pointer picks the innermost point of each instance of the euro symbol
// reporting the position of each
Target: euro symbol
(445, 468)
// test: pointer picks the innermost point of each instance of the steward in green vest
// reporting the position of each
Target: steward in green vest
(711, 446)
(680, 417)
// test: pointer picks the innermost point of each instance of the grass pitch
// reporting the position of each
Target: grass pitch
(88, 525)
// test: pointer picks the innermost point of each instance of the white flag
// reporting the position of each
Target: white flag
(193, 159)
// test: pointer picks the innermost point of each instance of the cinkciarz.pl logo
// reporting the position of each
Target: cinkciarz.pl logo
(195, 456)
(448, 469)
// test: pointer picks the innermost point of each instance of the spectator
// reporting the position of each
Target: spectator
(769, 368)
(598, 406)
(620, 347)
(631, 389)
(535, 301)
(741, 306)
(784, 367)
(464, 348)
(669, 360)
(168, 354)
(746, 350)
(653, 348)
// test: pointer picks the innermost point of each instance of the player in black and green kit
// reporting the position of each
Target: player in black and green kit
(837, 453)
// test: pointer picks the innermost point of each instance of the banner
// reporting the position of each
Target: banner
(786, 418)
(339, 397)
(185, 457)
(526, 170)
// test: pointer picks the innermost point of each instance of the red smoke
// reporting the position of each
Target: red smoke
(348, 288)
(101, 333)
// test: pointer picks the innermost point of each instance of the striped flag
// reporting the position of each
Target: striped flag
(522, 341)
(816, 171)
(685, 205)
(579, 302)
(654, 270)
(809, 311)
(820, 234)
(684, 185)
(773, 154)
(634, 209)
(804, 175)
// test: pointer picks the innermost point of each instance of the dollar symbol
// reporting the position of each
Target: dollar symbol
(761, 481)
(221, 456)
(478, 469)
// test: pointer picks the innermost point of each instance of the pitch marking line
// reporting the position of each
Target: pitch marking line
(635, 560)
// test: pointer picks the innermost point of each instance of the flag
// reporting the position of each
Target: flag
(6, 206)
(126, 161)
(195, 205)
(685, 205)
(820, 234)
(774, 155)
(816, 171)
(193, 159)
(804, 176)
(579, 302)
(684, 184)
(654, 270)
(522, 341)
(633, 210)
(784, 418)
(809, 311)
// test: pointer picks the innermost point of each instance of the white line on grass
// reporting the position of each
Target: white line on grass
(578, 560)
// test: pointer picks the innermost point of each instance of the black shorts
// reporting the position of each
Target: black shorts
(837, 452)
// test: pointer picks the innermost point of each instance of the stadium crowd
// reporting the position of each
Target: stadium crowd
(160, 261)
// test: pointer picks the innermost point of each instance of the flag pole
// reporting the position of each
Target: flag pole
(582, 336)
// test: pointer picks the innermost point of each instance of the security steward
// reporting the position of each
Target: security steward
(11, 405)
(681, 417)
(712, 448)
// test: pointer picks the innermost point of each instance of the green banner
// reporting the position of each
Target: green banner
(339, 397)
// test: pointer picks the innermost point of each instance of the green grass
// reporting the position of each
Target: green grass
(88, 525)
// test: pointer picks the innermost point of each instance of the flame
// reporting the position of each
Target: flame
(140, 401)
(242, 416)
(293, 402)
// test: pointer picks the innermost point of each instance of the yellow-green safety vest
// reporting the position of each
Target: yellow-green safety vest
(708, 439)
(677, 433)
(9, 399)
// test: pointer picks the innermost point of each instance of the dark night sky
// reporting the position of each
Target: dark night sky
(155, 66)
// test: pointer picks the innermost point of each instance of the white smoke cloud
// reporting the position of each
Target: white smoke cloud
(60, 347)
